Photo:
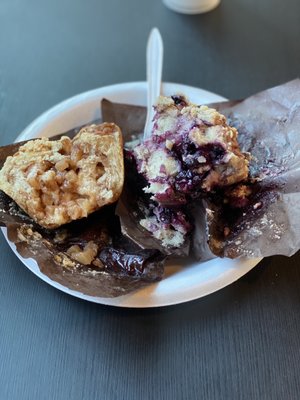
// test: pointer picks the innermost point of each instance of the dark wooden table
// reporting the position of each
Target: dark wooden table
(242, 342)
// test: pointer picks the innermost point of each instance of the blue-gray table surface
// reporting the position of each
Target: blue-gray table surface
(239, 343)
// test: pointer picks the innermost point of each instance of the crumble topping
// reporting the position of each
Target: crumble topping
(58, 181)
(192, 149)
(192, 152)
(170, 226)
(84, 255)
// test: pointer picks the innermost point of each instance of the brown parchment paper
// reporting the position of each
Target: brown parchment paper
(269, 129)
(121, 266)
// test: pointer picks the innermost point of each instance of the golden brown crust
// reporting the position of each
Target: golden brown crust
(56, 182)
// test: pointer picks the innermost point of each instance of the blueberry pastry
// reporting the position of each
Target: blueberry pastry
(192, 152)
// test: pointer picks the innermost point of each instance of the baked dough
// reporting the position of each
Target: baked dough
(56, 182)
(191, 152)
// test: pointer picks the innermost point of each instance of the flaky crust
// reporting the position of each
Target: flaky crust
(58, 181)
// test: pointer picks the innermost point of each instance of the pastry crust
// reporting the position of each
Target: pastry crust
(56, 182)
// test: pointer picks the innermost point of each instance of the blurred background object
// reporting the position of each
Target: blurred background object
(191, 6)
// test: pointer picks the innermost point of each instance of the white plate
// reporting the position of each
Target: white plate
(182, 282)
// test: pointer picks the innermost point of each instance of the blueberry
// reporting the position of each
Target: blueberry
(179, 100)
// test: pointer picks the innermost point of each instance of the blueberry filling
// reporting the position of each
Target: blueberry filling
(179, 100)
(192, 152)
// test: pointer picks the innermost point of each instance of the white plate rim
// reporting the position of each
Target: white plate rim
(188, 288)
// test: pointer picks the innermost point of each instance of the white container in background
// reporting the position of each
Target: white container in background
(191, 6)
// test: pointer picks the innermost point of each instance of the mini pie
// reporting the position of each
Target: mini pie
(192, 152)
(56, 182)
